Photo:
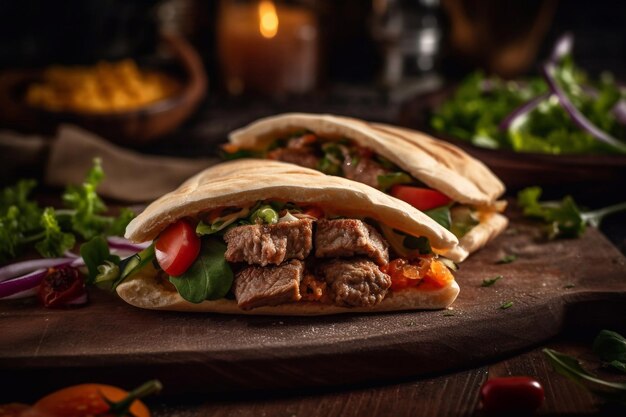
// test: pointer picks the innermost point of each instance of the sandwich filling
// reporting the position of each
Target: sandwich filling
(273, 253)
(346, 158)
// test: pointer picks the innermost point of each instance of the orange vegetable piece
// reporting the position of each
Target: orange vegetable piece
(91, 400)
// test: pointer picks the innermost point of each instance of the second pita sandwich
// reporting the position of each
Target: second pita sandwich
(267, 237)
(443, 181)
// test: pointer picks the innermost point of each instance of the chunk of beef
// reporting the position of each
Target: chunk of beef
(349, 237)
(300, 156)
(268, 286)
(367, 172)
(356, 282)
(269, 244)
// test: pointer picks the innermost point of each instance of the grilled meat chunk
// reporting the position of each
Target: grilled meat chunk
(300, 156)
(355, 282)
(269, 244)
(366, 171)
(349, 237)
(268, 286)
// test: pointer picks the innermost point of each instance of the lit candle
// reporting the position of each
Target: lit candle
(267, 48)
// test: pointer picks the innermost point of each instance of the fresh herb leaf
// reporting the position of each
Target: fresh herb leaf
(24, 224)
(112, 273)
(505, 305)
(209, 277)
(421, 244)
(95, 253)
(507, 259)
(617, 365)
(564, 218)
(118, 225)
(87, 204)
(490, 281)
(55, 242)
(571, 368)
(386, 181)
(611, 347)
(441, 215)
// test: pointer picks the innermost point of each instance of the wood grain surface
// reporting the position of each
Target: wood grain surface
(553, 286)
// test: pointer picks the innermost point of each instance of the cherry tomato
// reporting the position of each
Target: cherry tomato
(86, 400)
(177, 247)
(511, 394)
(421, 198)
(60, 285)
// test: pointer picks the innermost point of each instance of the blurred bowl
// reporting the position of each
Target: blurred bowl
(582, 173)
(594, 176)
(134, 127)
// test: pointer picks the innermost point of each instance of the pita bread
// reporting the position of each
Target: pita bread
(438, 164)
(243, 182)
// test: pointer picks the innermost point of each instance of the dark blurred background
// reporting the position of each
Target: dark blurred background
(354, 33)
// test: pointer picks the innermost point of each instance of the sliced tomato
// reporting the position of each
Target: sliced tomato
(421, 198)
(85, 400)
(177, 247)
(60, 286)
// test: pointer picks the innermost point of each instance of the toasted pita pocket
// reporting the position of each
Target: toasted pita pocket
(438, 164)
(243, 182)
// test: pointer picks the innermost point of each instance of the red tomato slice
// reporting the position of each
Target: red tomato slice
(60, 285)
(177, 247)
(421, 198)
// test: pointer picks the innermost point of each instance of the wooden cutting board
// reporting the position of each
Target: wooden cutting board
(554, 287)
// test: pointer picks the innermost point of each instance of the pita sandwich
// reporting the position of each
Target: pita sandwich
(280, 239)
(399, 161)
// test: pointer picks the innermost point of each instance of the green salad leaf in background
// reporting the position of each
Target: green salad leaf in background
(480, 105)
(25, 225)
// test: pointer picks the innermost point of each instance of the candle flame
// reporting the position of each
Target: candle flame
(268, 19)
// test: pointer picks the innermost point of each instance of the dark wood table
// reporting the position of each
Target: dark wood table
(452, 394)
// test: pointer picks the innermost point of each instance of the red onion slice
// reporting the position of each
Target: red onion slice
(577, 117)
(562, 48)
(21, 268)
(525, 108)
(23, 294)
(23, 283)
(117, 242)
